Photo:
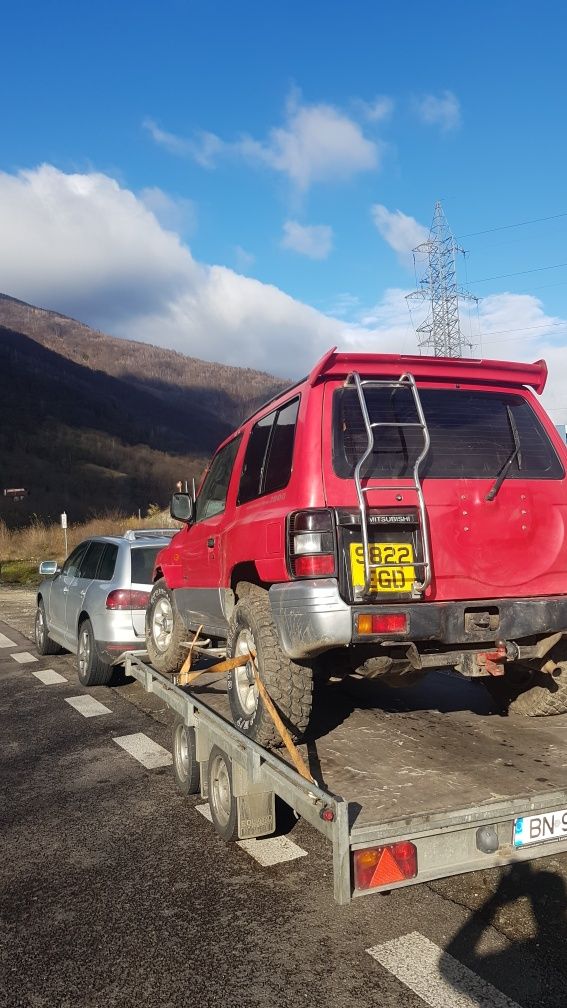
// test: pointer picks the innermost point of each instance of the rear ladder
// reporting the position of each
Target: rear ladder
(404, 381)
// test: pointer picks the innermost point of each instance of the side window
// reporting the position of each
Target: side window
(72, 565)
(89, 565)
(212, 495)
(280, 451)
(253, 466)
(108, 562)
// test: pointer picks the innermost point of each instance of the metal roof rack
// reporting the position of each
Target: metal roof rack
(133, 534)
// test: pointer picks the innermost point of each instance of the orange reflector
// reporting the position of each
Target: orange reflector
(382, 866)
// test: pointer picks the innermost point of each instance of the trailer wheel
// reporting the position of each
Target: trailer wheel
(530, 692)
(289, 684)
(222, 802)
(165, 631)
(185, 766)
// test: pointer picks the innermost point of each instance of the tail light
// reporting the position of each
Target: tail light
(125, 598)
(311, 543)
(382, 866)
(387, 624)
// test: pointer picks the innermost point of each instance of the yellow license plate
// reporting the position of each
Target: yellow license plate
(389, 578)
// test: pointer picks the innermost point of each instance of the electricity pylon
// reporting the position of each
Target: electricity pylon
(441, 330)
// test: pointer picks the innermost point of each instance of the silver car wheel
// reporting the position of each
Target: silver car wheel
(84, 653)
(40, 632)
(220, 790)
(162, 624)
(246, 688)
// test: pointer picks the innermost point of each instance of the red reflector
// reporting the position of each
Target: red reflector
(380, 866)
(124, 598)
(315, 566)
(391, 623)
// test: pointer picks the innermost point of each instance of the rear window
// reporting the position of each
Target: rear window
(471, 435)
(143, 558)
(269, 454)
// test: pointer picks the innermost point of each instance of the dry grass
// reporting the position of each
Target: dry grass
(39, 541)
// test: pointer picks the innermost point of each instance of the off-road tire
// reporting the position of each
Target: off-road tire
(43, 642)
(186, 770)
(166, 660)
(529, 692)
(289, 684)
(91, 670)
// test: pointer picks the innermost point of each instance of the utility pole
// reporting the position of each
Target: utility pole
(440, 333)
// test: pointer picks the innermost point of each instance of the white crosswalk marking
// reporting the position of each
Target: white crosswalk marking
(145, 750)
(24, 658)
(49, 677)
(266, 851)
(6, 642)
(435, 976)
(87, 706)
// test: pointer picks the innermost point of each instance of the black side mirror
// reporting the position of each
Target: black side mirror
(181, 507)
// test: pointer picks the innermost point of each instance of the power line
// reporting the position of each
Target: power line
(506, 276)
(507, 227)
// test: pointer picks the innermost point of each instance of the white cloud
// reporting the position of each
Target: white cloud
(316, 143)
(84, 246)
(378, 110)
(401, 232)
(175, 213)
(442, 110)
(314, 240)
(244, 259)
(204, 148)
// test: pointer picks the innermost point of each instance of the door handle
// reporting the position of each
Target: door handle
(211, 542)
(65, 591)
(83, 593)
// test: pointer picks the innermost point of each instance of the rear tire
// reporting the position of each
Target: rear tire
(185, 766)
(290, 685)
(165, 631)
(222, 802)
(43, 642)
(91, 670)
(529, 692)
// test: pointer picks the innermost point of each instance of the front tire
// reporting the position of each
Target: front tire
(91, 670)
(165, 631)
(290, 685)
(43, 642)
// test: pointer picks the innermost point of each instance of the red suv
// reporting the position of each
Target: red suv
(387, 514)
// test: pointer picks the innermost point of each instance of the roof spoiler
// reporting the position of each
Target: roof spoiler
(487, 372)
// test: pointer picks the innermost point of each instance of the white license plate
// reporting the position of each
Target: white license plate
(540, 828)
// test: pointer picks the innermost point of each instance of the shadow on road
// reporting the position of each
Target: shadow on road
(532, 970)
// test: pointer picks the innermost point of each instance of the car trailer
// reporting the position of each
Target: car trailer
(412, 791)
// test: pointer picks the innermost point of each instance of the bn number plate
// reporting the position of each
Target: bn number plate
(539, 828)
(391, 577)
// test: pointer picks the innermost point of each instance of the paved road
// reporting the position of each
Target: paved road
(116, 891)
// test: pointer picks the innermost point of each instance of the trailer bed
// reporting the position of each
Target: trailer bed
(431, 764)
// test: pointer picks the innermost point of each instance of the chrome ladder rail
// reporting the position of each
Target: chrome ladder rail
(405, 380)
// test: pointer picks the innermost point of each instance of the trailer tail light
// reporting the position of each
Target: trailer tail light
(125, 598)
(390, 623)
(382, 866)
(311, 543)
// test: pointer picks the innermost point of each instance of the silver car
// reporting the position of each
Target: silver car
(94, 605)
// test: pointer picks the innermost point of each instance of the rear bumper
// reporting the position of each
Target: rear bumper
(311, 617)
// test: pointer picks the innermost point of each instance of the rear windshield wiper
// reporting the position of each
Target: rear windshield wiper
(516, 453)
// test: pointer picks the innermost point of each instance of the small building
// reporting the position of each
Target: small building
(16, 493)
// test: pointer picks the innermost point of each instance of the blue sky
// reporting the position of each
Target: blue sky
(263, 135)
